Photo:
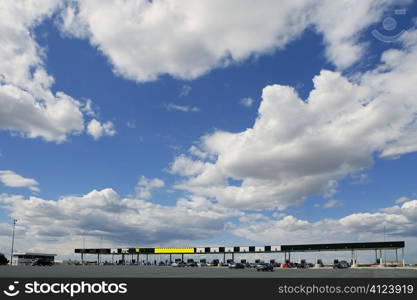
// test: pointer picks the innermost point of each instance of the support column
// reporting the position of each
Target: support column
(381, 260)
(233, 256)
(224, 257)
(170, 258)
(182, 257)
(396, 255)
(137, 258)
(123, 258)
(82, 258)
(98, 258)
(112, 258)
(403, 257)
(354, 259)
(289, 256)
(147, 258)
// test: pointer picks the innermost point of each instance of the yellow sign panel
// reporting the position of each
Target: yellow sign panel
(137, 250)
(174, 250)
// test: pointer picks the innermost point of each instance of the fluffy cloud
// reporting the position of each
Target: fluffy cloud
(11, 179)
(120, 220)
(97, 130)
(332, 203)
(145, 186)
(298, 148)
(248, 102)
(402, 200)
(186, 38)
(52, 120)
(178, 38)
(27, 104)
(399, 223)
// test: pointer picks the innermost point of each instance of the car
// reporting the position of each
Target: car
(236, 266)
(303, 264)
(42, 262)
(286, 266)
(202, 264)
(161, 263)
(341, 265)
(214, 263)
(181, 264)
(264, 267)
(191, 264)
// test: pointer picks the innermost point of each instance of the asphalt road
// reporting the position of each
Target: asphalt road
(60, 271)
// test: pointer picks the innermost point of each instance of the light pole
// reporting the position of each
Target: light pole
(385, 251)
(11, 253)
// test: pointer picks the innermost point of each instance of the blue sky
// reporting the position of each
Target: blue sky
(254, 171)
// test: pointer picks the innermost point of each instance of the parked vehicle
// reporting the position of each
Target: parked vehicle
(181, 264)
(236, 266)
(264, 267)
(303, 264)
(341, 265)
(215, 263)
(42, 262)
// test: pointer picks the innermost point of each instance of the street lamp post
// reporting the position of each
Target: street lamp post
(11, 253)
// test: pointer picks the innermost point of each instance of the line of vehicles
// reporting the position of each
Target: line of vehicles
(259, 265)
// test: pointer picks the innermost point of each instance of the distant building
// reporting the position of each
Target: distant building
(27, 258)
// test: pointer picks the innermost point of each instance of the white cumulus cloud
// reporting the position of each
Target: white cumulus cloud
(11, 179)
(298, 147)
(47, 224)
(97, 129)
(186, 38)
(146, 185)
(248, 102)
(399, 223)
(27, 104)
